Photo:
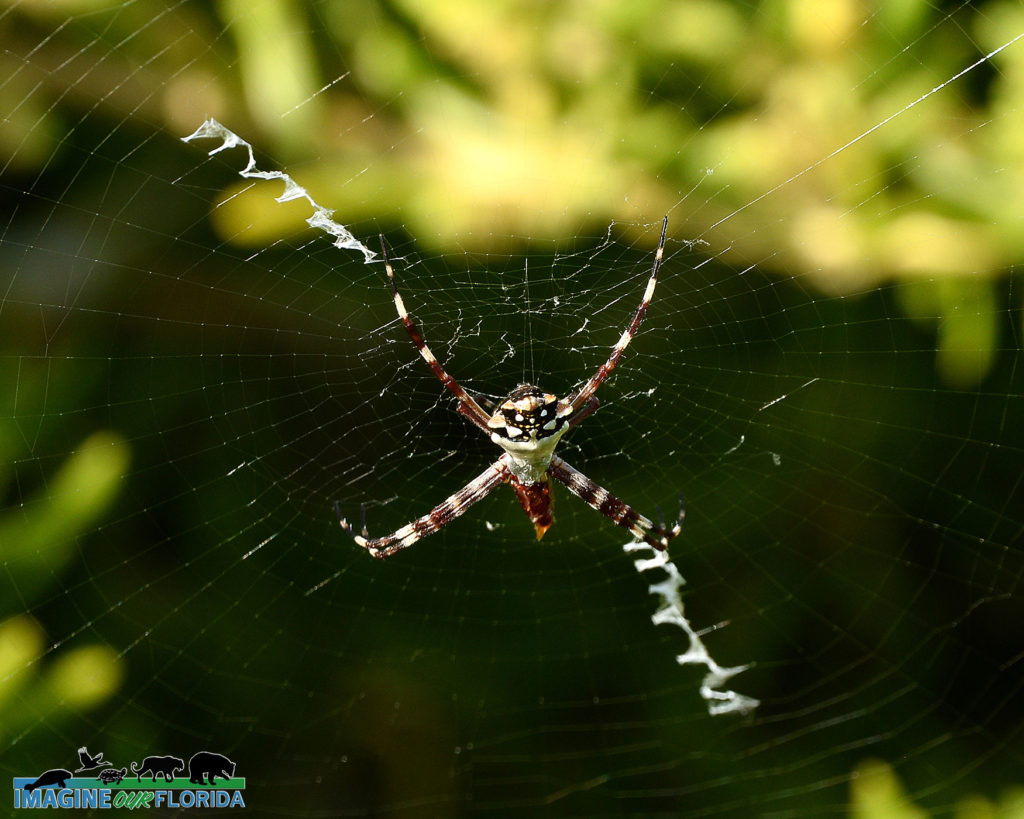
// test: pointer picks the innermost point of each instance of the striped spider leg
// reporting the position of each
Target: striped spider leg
(456, 505)
(597, 497)
(527, 425)
(577, 402)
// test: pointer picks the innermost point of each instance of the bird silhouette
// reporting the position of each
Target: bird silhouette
(89, 762)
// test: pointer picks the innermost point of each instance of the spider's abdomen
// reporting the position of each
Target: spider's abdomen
(536, 500)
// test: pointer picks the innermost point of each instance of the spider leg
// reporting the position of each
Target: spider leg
(588, 409)
(599, 498)
(465, 399)
(485, 403)
(438, 517)
(468, 413)
(573, 404)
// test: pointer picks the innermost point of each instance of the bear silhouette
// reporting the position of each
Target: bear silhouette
(57, 776)
(165, 766)
(210, 765)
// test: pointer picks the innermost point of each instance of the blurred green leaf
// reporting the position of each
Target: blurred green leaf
(37, 539)
(876, 793)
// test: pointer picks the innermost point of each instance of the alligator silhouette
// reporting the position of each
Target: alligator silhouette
(56, 776)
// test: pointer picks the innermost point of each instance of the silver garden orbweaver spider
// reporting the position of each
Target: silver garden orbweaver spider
(527, 425)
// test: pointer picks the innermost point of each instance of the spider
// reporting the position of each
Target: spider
(527, 425)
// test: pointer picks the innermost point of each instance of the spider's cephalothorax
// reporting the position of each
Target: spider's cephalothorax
(528, 414)
(527, 426)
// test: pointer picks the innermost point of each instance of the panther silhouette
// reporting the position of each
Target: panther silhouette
(165, 766)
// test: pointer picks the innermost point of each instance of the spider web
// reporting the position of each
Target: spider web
(193, 373)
